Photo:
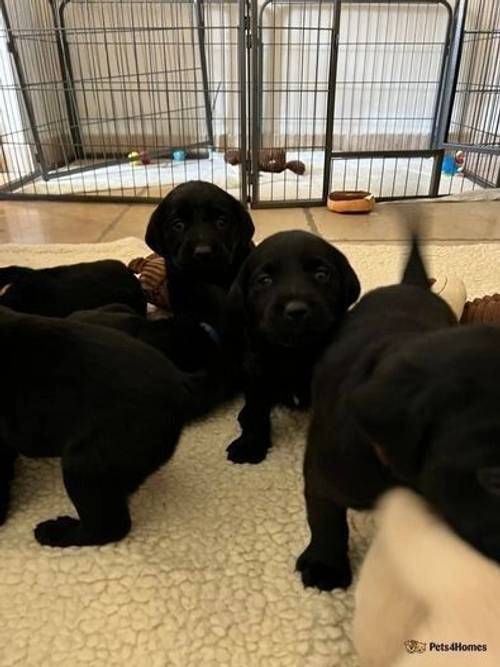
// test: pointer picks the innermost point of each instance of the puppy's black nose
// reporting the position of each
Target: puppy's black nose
(202, 252)
(296, 310)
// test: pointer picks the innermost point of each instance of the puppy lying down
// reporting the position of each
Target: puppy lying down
(60, 290)
(421, 582)
(110, 406)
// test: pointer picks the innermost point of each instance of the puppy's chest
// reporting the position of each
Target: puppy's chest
(288, 382)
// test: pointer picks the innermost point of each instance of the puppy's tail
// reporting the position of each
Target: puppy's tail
(414, 272)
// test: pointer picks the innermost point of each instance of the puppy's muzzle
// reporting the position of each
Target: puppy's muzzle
(203, 252)
(296, 311)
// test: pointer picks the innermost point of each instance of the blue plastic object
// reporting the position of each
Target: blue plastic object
(449, 165)
(179, 155)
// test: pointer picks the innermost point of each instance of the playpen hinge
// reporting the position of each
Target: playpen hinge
(247, 25)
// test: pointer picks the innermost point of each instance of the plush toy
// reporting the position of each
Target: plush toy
(144, 157)
(452, 290)
(138, 158)
(271, 160)
(460, 161)
(483, 310)
(454, 164)
(152, 277)
(134, 158)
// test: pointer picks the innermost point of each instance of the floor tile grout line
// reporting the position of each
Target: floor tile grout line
(311, 222)
(112, 225)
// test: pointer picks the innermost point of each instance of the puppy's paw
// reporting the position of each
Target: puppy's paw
(61, 532)
(325, 576)
(246, 450)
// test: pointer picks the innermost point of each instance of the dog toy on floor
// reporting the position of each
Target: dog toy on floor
(152, 277)
(454, 164)
(138, 158)
(271, 160)
(350, 201)
(452, 290)
(483, 310)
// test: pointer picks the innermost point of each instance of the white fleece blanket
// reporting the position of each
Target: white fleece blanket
(206, 576)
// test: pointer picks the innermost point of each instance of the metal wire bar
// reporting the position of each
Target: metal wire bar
(358, 91)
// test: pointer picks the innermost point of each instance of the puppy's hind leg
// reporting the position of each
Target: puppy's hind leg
(7, 460)
(101, 506)
(325, 562)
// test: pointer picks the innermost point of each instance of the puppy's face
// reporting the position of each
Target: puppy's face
(201, 230)
(294, 287)
(433, 409)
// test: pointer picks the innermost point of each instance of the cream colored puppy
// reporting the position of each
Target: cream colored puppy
(423, 593)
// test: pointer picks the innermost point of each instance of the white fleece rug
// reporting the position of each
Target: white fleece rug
(206, 577)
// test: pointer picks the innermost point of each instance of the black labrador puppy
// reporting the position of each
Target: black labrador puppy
(110, 406)
(204, 234)
(60, 290)
(187, 342)
(285, 304)
(367, 393)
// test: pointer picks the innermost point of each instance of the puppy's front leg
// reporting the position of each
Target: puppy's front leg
(101, 506)
(255, 421)
(325, 562)
(7, 460)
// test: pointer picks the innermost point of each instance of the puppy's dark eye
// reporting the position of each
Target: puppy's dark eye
(221, 223)
(264, 280)
(321, 275)
(178, 226)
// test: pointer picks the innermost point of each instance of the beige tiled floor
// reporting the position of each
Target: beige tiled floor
(48, 222)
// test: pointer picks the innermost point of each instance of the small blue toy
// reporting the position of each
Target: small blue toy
(453, 164)
(179, 155)
(449, 165)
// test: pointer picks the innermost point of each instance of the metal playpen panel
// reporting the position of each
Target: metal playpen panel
(276, 101)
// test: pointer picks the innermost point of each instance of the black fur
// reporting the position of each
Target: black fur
(355, 409)
(182, 339)
(60, 290)
(110, 406)
(286, 302)
(204, 234)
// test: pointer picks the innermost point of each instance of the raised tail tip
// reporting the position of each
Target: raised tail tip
(414, 272)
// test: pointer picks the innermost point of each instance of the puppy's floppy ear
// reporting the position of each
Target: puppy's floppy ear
(350, 283)
(246, 223)
(394, 409)
(246, 230)
(154, 230)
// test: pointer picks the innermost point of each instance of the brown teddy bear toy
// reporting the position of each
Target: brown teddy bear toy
(272, 160)
(484, 310)
(152, 276)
